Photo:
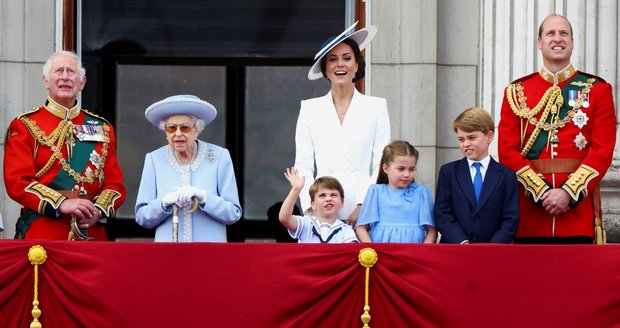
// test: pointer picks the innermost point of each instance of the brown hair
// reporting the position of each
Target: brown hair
(474, 119)
(540, 28)
(361, 64)
(395, 148)
(326, 182)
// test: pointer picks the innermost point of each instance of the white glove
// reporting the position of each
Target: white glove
(170, 198)
(186, 193)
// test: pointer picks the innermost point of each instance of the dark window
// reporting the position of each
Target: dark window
(214, 28)
(248, 58)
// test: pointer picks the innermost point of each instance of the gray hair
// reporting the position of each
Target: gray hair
(48, 64)
(200, 124)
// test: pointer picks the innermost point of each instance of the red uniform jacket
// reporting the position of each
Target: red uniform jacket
(586, 108)
(38, 168)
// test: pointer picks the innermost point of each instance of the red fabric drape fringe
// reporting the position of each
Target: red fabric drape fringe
(99, 284)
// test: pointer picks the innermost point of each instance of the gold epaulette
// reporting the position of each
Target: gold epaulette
(46, 195)
(95, 115)
(524, 78)
(34, 110)
(593, 76)
(105, 201)
(532, 182)
(577, 181)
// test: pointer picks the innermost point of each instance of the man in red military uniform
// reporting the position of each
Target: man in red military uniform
(547, 136)
(60, 161)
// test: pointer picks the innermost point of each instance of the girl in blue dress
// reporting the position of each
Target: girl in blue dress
(396, 209)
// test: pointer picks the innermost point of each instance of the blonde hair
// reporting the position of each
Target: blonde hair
(395, 148)
(474, 119)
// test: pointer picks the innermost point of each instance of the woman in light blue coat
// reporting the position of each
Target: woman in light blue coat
(185, 171)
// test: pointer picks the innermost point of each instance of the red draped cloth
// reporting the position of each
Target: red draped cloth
(99, 284)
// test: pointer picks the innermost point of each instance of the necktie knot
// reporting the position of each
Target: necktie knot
(477, 180)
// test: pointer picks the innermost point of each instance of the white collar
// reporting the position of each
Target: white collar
(485, 161)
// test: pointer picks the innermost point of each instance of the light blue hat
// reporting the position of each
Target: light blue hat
(180, 105)
(361, 37)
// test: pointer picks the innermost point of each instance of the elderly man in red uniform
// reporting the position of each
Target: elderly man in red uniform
(547, 136)
(60, 161)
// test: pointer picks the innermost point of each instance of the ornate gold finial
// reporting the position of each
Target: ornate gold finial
(367, 257)
(37, 256)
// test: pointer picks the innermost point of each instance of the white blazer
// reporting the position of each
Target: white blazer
(350, 152)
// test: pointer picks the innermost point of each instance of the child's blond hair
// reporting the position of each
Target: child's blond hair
(474, 119)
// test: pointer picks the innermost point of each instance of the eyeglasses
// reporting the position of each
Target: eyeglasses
(183, 128)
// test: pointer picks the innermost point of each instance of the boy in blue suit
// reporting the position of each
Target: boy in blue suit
(477, 199)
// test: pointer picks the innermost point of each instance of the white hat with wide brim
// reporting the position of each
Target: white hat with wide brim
(361, 37)
(180, 105)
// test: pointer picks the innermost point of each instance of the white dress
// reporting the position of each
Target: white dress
(349, 152)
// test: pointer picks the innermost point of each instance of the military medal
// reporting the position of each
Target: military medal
(90, 133)
(580, 119)
(573, 95)
(580, 141)
(586, 101)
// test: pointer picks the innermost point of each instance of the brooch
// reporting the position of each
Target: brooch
(580, 141)
(580, 119)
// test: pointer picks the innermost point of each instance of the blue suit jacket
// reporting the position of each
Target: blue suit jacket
(494, 219)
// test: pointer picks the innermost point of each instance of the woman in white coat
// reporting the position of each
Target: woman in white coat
(343, 133)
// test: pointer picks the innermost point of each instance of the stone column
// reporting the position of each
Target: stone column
(26, 40)
(509, 35)
(404, 71)
(610, 197)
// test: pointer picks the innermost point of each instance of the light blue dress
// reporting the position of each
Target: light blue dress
(211, 170)
(397, 215)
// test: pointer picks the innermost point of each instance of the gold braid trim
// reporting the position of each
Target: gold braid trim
(95, 115)
(515, 93)
(46, 195)
(552, 101)
(56, 140)
(105, 201)
(532, 182)
(577, 181)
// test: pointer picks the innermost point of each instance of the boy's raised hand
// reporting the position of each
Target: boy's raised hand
(292, 175)
(286, 211)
